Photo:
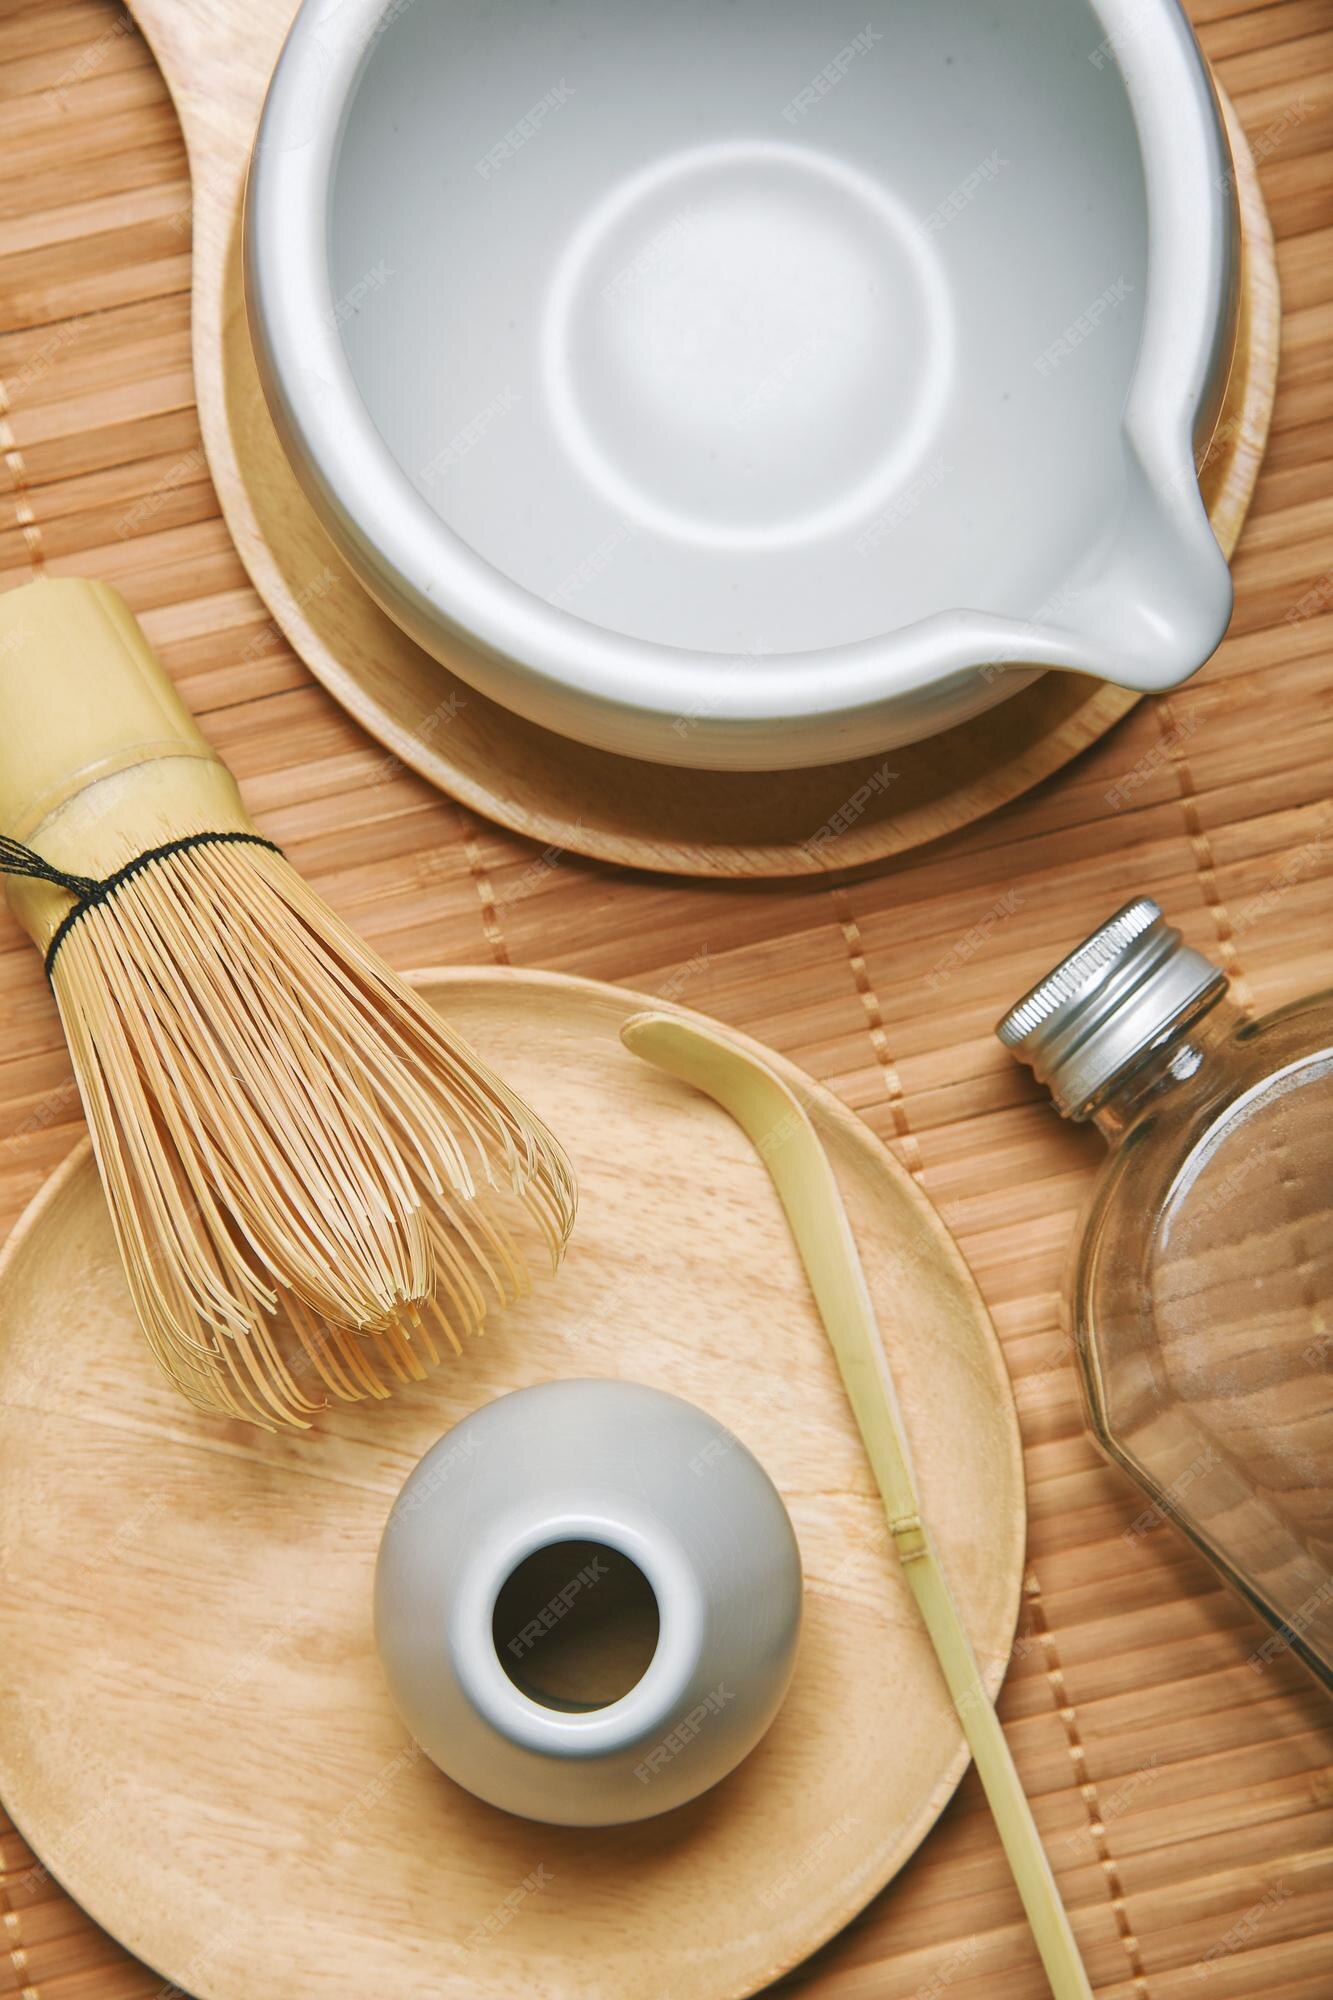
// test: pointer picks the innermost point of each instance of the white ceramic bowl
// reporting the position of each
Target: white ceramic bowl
(587, 1602)
(751, 386)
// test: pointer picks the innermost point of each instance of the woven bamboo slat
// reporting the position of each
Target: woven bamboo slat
(1187, 1797)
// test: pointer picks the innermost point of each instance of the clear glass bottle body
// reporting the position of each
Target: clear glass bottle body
(1201, 1301)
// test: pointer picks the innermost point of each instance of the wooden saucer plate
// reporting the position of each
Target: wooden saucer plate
(194, 1731)
(217, 56)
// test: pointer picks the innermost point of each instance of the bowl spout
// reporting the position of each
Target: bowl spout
(1157, 597)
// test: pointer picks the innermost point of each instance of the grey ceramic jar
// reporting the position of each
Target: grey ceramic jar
(587, 1602)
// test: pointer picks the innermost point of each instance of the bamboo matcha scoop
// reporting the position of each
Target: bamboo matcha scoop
(786, 1142)
(308, 1172)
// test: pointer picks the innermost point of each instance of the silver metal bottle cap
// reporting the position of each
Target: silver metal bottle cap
(1118, 995)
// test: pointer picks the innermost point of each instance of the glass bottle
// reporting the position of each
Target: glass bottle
(1200, 1293)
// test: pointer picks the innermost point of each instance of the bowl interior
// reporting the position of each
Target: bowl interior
(750, 328)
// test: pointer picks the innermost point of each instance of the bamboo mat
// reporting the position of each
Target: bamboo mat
(1186, 1797)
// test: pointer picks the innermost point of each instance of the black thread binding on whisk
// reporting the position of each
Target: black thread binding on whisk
(88, 890)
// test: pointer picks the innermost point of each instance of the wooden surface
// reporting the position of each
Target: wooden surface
(217, 60)
(1187, 1798)
(190, 1698)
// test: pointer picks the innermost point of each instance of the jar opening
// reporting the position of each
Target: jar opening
(575, 1625)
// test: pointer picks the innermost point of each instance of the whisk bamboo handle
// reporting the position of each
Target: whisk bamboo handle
(787, 1143)
(99, 757)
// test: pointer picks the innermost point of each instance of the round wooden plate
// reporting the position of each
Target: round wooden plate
(194, 1731)
(217, 56)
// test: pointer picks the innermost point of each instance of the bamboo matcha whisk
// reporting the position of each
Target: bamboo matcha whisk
(311, 1178)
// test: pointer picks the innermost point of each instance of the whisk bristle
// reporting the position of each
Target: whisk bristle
(311, 1177)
